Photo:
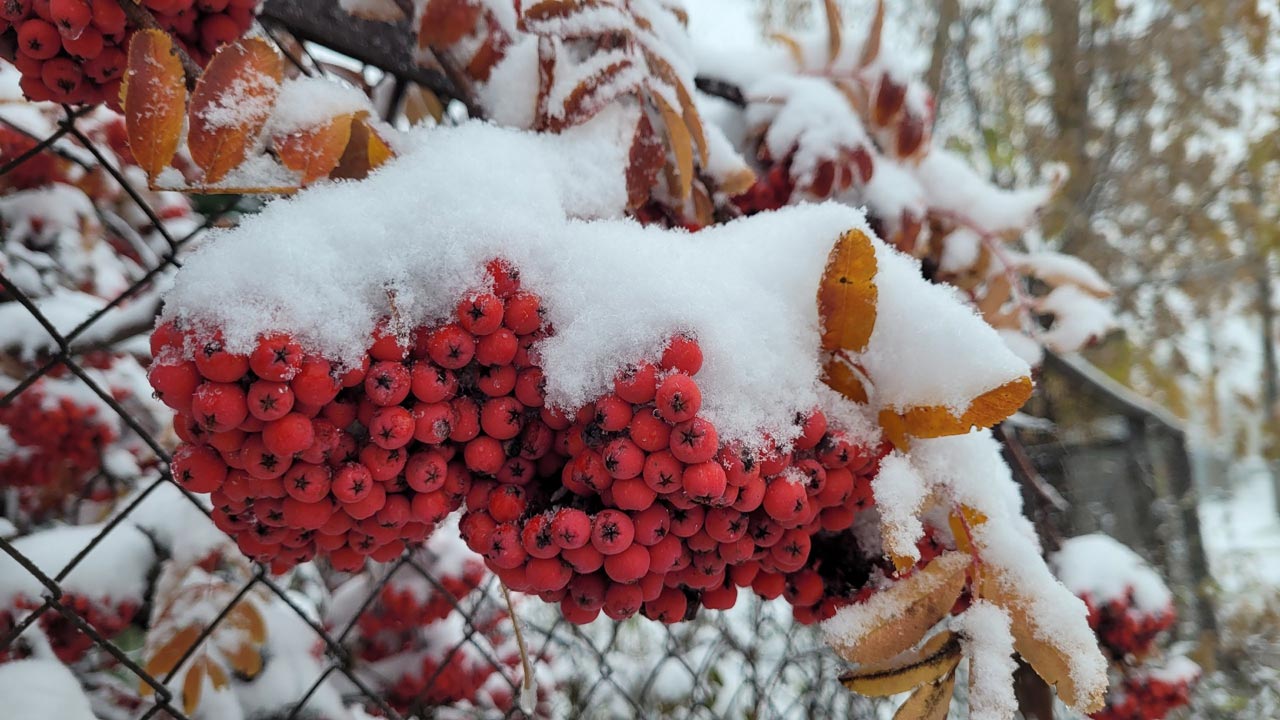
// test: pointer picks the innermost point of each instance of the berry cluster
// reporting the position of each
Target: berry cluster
(75, 51)
(1147, 696)
(53, 440)
(68, 641)
(651, 513)
(1125, 630)
(407, 603)
(40, 169)
(303, 458)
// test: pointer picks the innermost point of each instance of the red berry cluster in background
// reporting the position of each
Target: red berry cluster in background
(68, 641)
(407, 603)
(1125, 630)
(55, 439)
(39, 169)
(75, 51)
(1147, 696)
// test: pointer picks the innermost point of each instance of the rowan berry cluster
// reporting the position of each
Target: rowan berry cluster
(68, 641)
(51, 439)
(302, 458)
(1124, 629)
(407, 603)
(1147, 696)
(75, 51)
(39, 169)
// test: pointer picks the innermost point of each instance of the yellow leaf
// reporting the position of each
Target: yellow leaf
(919, 602)
(934, 421)
(192, 686)
(246, 617)
(793, 47)
(847, 294)
(154, 98)
(871, 48)
(962, 521)
(929, 702)
(218, 676)
(420, 104)
(840, 377)
(230, 105)
(315, 151)
(366, 150)
(166, 657)
(245, 659)
(692, 120)
(934, 661)
(681, 144)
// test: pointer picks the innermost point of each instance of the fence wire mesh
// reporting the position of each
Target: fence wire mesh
(110, 568)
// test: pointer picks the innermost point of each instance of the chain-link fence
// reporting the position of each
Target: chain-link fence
(109, 568)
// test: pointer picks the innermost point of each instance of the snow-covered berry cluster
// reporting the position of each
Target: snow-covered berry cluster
(107, 615)
(1124, 628)
(51, 438)
(1151, 694)
(409, 602)
(75, 51)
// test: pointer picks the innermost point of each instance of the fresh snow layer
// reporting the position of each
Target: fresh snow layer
(900, 492)
(115, 570)
(324, 264)
(42, 690)
(989, 644)
(1104, 569)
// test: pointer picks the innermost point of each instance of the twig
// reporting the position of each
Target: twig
(141, 17)
(527, 683)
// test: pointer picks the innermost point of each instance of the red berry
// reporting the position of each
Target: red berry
(652, 524)
(785, 499)
(425, 471)
(694, 441)
(505, 549)
(496, 381)
(523, 313)
(497, 348)
(629, 565)
(484, 455)
(71, 16)
(387, 383)
(815, 475)
(87, 46)
(352, 483)
(288, 435)
(812, 428)
(308, 483)
(216, 30)
(725, 525)
(391, 427)
(269, 400)
(395, 512)
(632, 494)
(623, 459)
(352, 377)
(14, 11)
(682, 354)
(686, 522)
(38, 39)
(433, 423)
(612, 531)
(480, 314)
(548, 574)
(588, 470)
(637, 383)
(663, 473)
(791, 551)
(219, 407)
(669, 607)
(476, 529)
(507, 503)
(219, 365)
(649, 432)
(430, 508)
(704, 482)
(750, 495)
(585, 559)
(432, 384)
(384, 465)
(198, 469)
(622, 601)
(365, 507)
(678, 398)
(571, 528)
(451, 347)
(466, 424)
(515, 471)
(314, 383)
(261, 462)
(506, 279)
(721, 597)
(109, 18)
(174, 381)
(502, 417)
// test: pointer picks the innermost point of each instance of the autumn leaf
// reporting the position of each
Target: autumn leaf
(847, 295)
(936, 659)
(193, 685)
(681, 143)
(230, 105)
(833, 30)
(245, 659)
(445, 22)
(929, 702)
(918, 602)
(934, 421)
(315, 151)
(645, 159)
(365, 152)
(154, 97)
(871, 48)
(167, 656)
(246, 617)
(840, 377)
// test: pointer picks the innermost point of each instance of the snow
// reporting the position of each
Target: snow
(1100, 567)
(955, 188)
(510, 94)
(116, 569)
(1078, 318)
(1057, 268)
(246, 101)
(807, 116)
(323, 263)
(1241, 532)
(26, 337)
(988, 642)
(40, 690)
(308, 102)
(854, 622)
(927, 347)
(900, 492)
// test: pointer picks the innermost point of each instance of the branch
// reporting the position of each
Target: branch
(722, 89)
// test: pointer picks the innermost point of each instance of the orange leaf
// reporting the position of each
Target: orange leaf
(445, 22)
(231, 103)
(681, 143)
(316, 150)
(246, 660)
(933, 421)
(833, 30)
(245, 616)
(847, 295)
(871, 48)
(167, 655)
(365, 151)
(840, 377)
(154, 96)
(643, 163)
(192, 686)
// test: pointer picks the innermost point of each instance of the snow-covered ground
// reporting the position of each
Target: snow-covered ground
(1242, 531)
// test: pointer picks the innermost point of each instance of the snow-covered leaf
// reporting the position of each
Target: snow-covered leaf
(231, 104)
(154, 98)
